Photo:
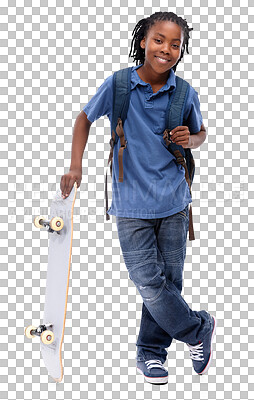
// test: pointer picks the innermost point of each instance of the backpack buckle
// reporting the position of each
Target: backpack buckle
(124, 145)
(166, 137)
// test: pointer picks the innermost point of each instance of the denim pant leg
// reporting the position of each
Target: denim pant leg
(153, 342)
(161, 297)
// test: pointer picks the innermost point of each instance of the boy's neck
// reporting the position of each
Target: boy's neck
(150, 77)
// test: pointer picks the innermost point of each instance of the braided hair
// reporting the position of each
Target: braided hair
(143, 27)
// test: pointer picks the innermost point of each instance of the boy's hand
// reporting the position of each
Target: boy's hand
(68, 180)
(181, 136)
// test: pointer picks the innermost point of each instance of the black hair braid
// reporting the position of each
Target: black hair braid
(143, 27)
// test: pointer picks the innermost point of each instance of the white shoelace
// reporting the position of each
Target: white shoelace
(196, 352)
(154, 364)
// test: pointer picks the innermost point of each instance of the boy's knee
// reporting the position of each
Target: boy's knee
(149, 281)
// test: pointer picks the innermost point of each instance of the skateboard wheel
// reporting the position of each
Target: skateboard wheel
(56, 224)
(28, 331)
(47, 337)
(37, 221)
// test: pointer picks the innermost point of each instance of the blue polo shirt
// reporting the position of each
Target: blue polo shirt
(154, 185)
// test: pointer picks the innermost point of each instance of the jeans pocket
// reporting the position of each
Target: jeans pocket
(184, 212)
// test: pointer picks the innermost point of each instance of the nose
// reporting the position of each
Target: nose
(166, 48)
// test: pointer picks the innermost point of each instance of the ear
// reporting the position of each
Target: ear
(143, 43)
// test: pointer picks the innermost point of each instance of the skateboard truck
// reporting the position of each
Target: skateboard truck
(53, 225)
(43, 331)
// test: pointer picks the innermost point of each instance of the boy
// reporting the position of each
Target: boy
(151, 204)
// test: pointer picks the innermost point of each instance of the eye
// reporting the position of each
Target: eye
(174, 45)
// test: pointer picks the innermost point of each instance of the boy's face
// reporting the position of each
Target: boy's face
(164, 39)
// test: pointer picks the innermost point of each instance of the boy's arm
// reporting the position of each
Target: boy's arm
(198, 138)
(181, 136)
(80, 135)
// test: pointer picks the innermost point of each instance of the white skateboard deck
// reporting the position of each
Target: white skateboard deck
(58, 272)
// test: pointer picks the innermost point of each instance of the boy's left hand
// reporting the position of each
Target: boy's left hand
(181, 136)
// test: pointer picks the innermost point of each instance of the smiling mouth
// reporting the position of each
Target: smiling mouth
(162, 60)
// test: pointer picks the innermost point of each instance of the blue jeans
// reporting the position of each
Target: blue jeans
(154, 252)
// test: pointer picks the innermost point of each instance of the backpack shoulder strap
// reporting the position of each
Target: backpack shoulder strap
(121, 100)
(183, 156)
(121, 95)
(177, 105)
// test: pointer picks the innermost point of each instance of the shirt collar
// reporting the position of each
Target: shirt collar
(135, 79)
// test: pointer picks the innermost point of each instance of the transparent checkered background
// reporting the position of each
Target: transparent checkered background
(54, 55)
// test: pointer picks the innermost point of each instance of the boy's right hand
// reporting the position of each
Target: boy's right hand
(68, 180)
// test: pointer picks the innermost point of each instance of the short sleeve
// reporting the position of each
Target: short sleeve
(193, 117)
(101, 103)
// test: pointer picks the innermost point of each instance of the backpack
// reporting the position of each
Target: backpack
(174, 118)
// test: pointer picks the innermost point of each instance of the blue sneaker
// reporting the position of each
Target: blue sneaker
(153, 371)
(201, 353)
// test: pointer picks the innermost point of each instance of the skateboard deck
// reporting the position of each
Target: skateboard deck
(57, 284)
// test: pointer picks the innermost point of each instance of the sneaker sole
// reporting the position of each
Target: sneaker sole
(158, 380)
(211, 353)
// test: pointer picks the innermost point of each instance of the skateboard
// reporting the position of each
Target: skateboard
(51, 332)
